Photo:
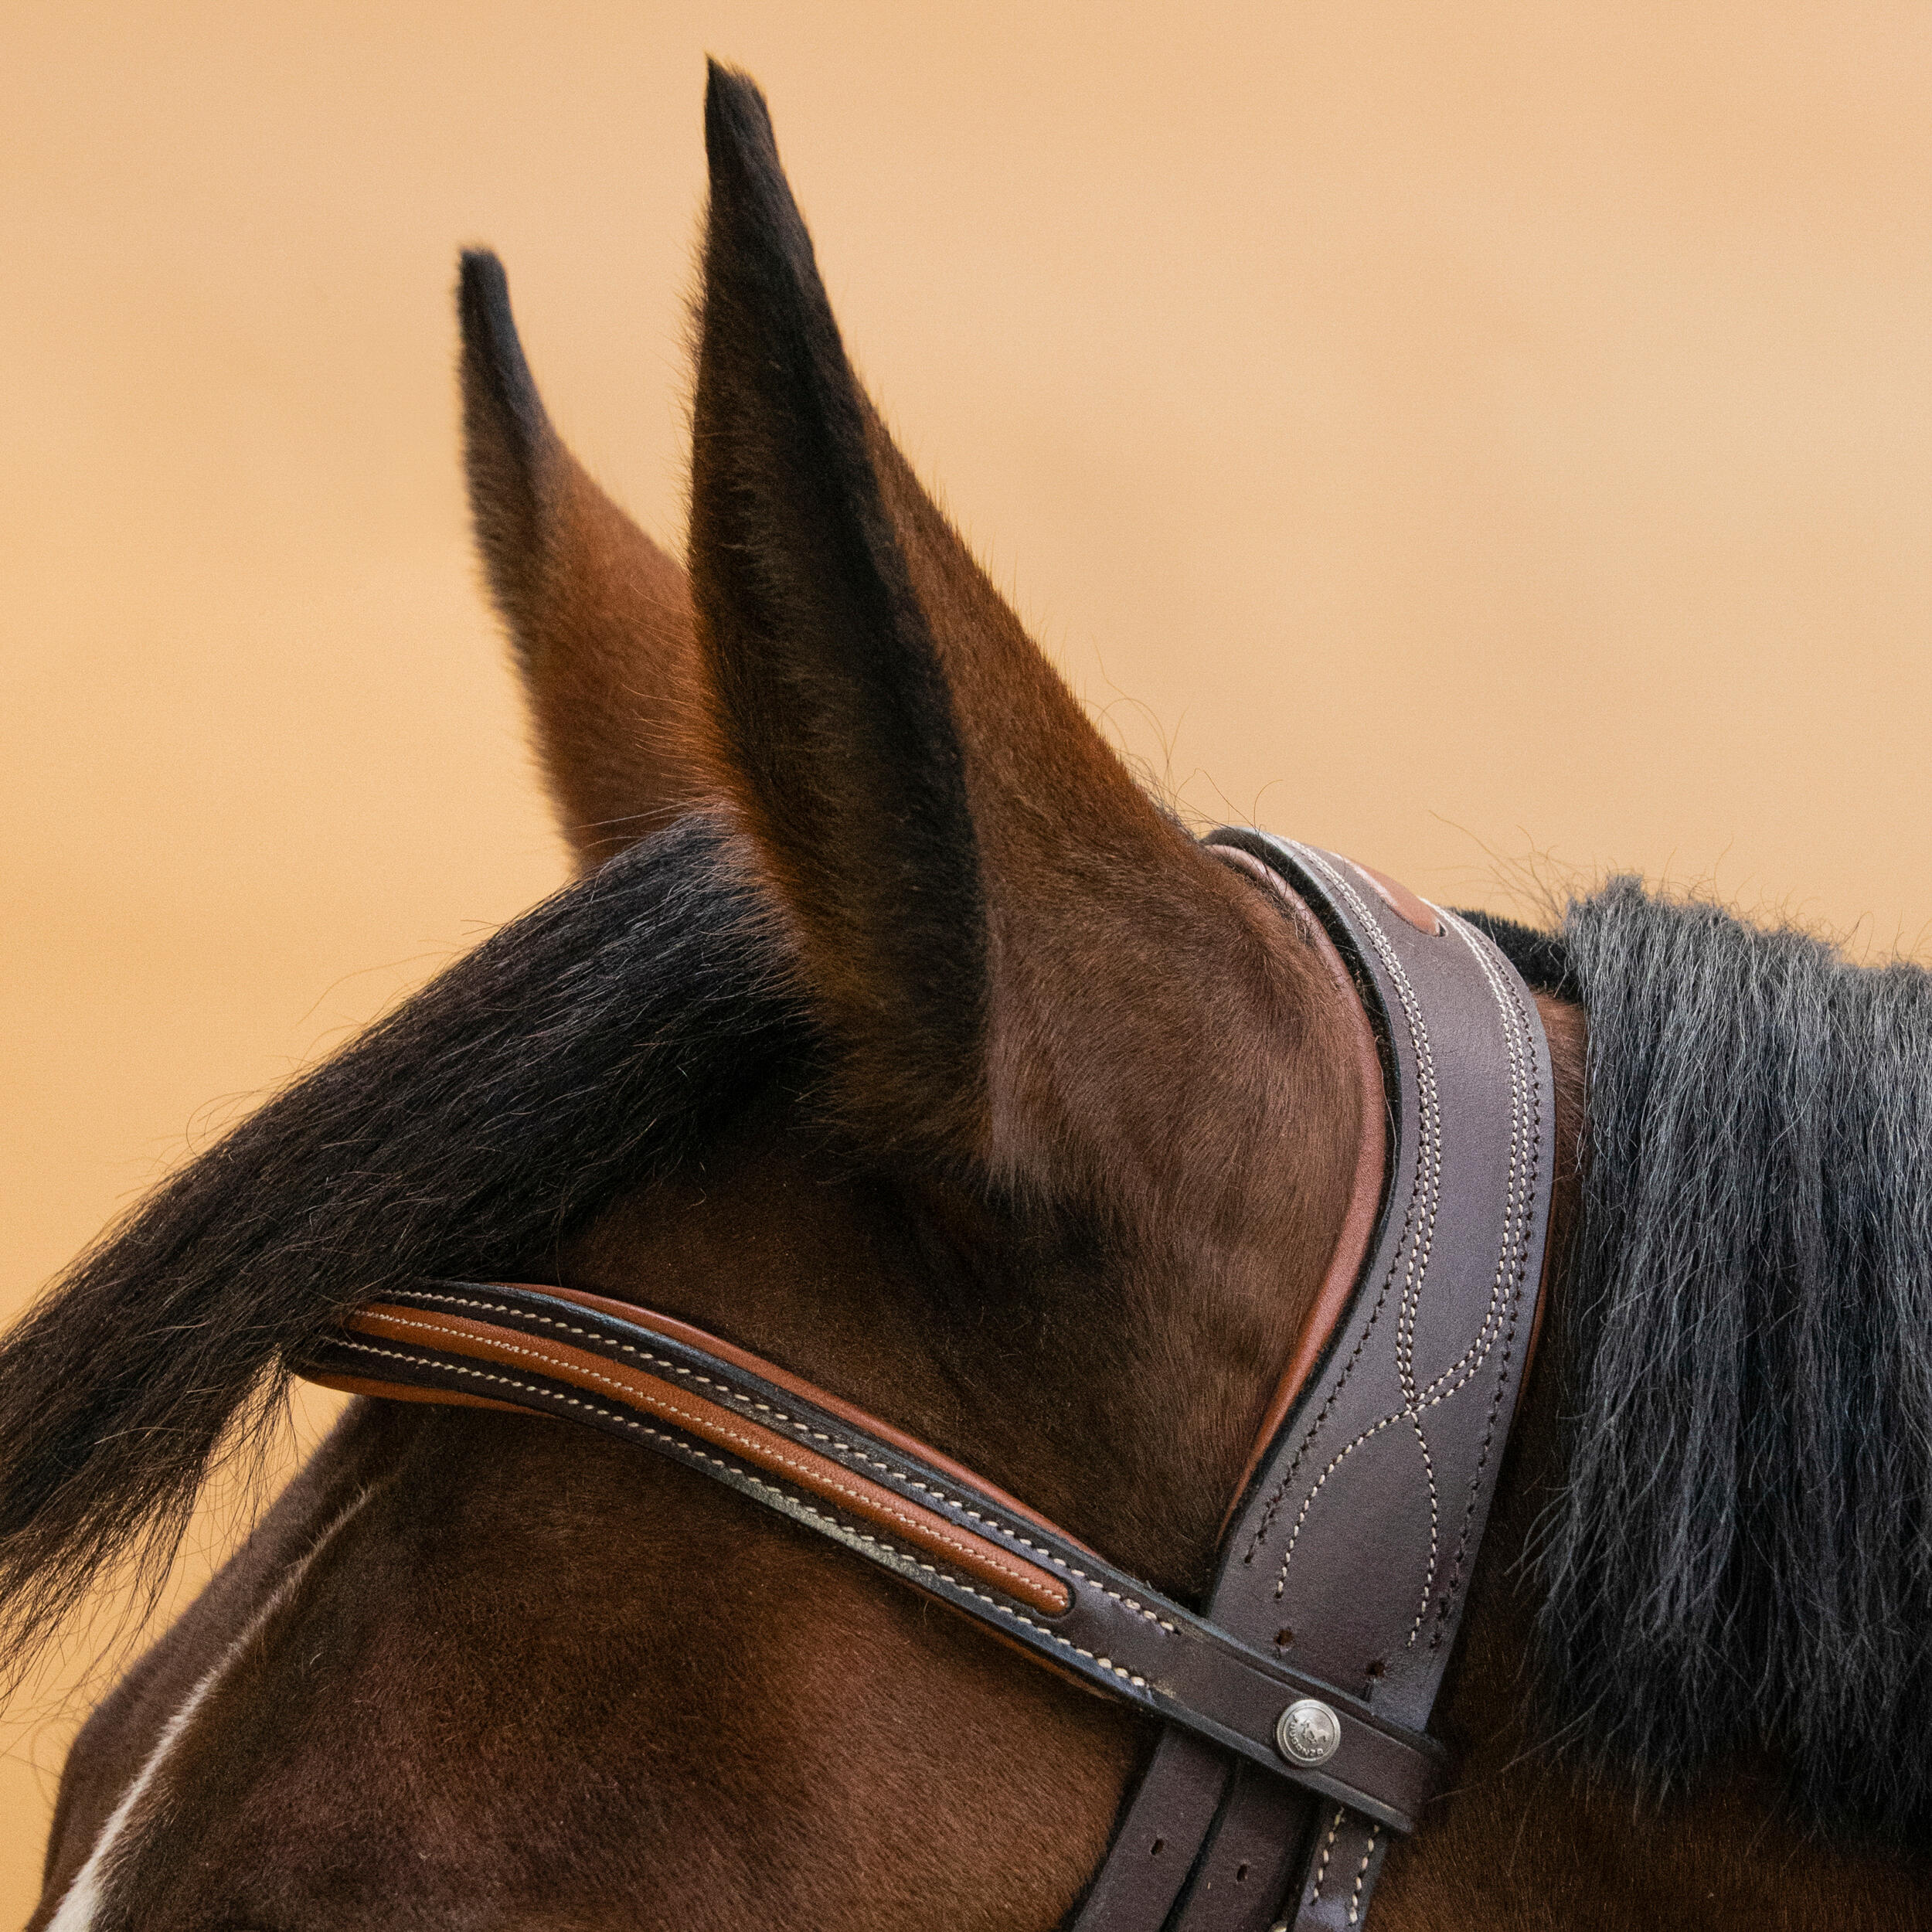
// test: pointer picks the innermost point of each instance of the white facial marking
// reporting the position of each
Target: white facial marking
(83, 1899)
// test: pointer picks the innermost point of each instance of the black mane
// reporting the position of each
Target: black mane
(1740, 1556)
(596, 1041)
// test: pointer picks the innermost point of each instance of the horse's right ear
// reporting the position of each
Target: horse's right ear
(1001, 930)
(600, 616)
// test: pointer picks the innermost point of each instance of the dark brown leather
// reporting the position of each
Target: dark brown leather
(1345, 1565)
(973, 1555)
(1343, 1866)
(1352, 1549)
(530, 1348)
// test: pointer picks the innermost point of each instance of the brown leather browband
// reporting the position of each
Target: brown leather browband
(1295, 1701)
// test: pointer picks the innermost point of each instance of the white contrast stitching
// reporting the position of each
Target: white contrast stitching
(1362, 1872)
(686, 1448)
(1321, 1863)
(1435, 1525)
(802, 1430)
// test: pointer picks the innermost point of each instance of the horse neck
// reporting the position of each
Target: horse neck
(1541, 1843)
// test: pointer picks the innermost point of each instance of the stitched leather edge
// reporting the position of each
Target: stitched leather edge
(1212, 1685)
(834, 1484)
(1345, 1264)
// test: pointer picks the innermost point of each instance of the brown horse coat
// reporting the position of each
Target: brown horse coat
(1058, 1207)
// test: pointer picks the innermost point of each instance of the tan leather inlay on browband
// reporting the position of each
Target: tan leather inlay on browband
(933, 1536)
(670, 1327)
(1430, 1009)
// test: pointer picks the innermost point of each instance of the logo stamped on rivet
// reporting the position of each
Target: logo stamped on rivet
(1308, 1732)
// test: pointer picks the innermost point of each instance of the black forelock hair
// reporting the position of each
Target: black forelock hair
(1740, 1552)
(1740, 1557)
(595, 1043)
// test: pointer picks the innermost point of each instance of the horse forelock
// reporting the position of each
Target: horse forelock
(1739, 1559)
(1739, 1555)
(598, 1041)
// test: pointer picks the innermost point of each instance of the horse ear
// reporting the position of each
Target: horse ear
(600, 616)
(996, 922)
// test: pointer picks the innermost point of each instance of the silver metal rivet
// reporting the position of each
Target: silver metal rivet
(1307, 1732)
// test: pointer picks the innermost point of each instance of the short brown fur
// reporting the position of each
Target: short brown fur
(501, 1673)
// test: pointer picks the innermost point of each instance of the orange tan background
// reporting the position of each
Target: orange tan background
(1469, 436)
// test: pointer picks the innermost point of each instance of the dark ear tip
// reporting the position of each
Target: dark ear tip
(737, 123)
(481, 283)
(493, 365)
(483, 306)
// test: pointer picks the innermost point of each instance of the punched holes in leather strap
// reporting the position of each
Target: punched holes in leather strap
(936, 1538)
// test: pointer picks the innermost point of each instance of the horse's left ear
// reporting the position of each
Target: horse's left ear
(598, 615)
(1019, 952)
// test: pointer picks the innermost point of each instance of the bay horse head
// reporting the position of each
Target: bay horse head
(892, 1031)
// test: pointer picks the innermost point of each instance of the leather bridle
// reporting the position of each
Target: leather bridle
(1295, 1701)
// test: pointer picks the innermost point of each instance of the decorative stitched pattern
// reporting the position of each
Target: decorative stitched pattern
(1500, 1315)
(1525, 1126)
(1508, 994)
(1506, 1285)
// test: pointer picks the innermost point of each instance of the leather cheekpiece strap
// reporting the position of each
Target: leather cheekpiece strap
(1351, 1546)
